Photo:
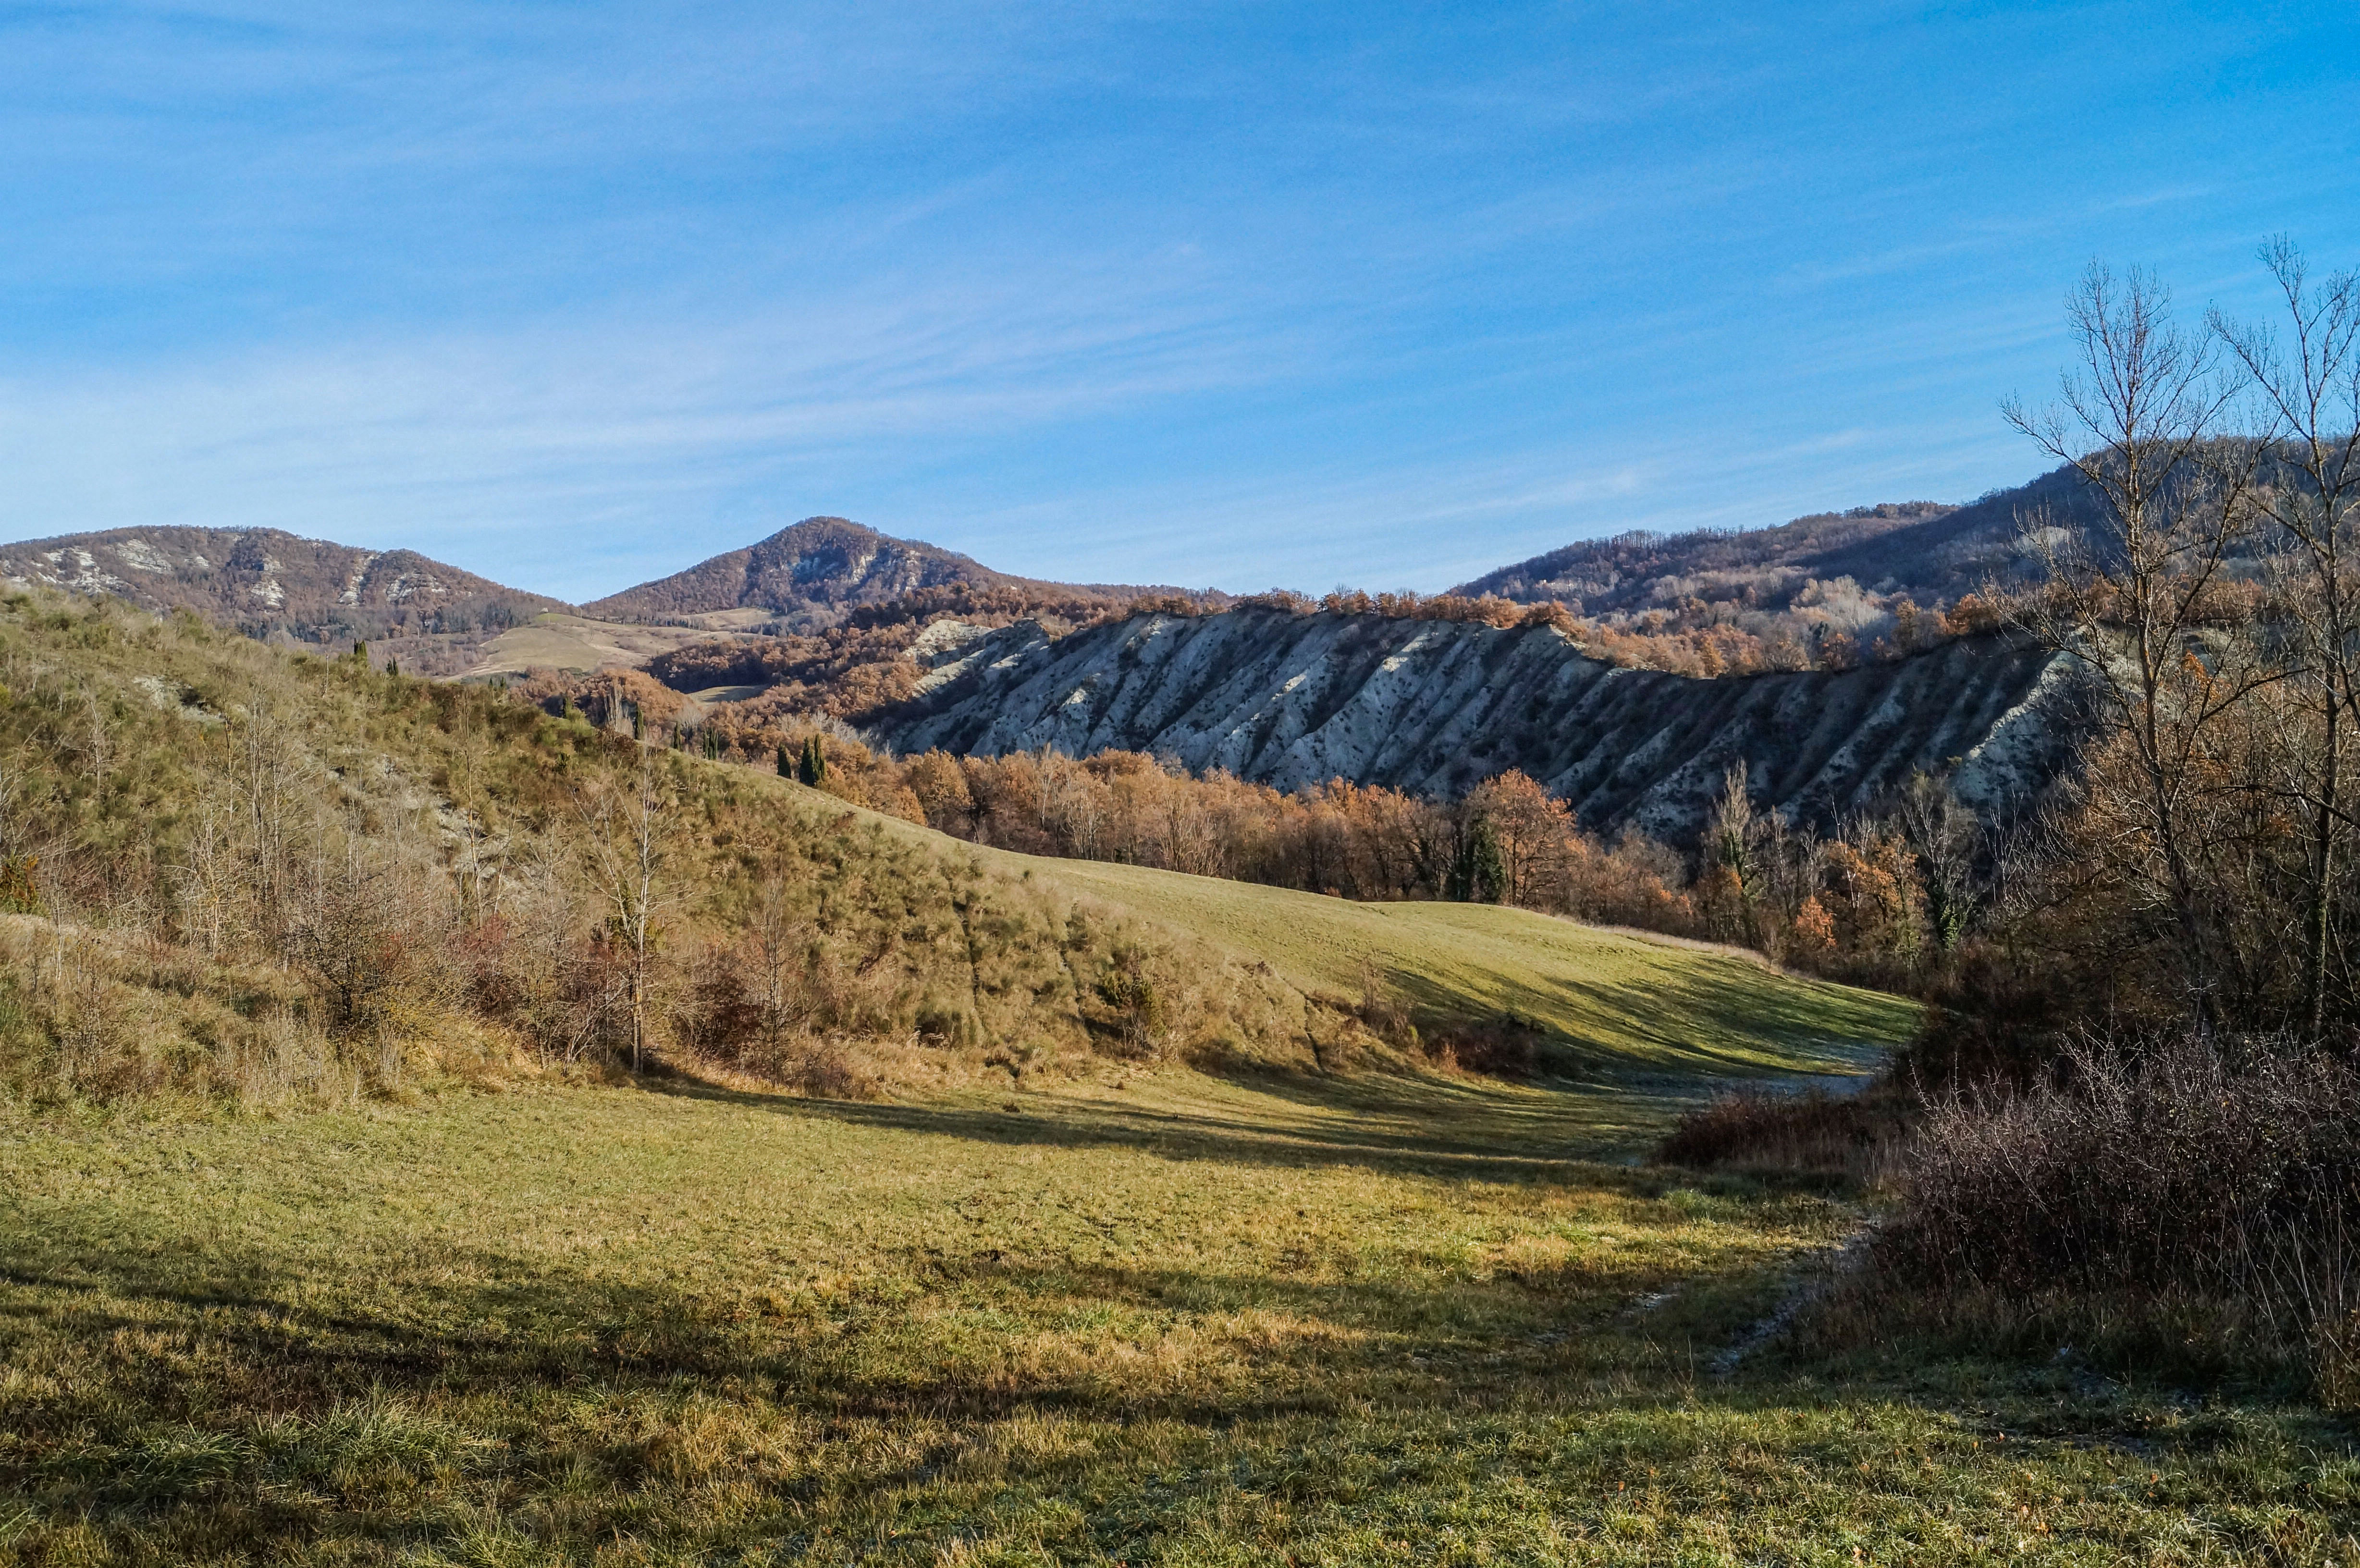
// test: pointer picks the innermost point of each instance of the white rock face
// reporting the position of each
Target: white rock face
(352, 593)
(1435, 707)
(141, 556)
(76, 570)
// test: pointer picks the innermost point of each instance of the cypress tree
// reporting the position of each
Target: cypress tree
(1490, 883)
(786, 762)
(814, 770)
(1478, 875)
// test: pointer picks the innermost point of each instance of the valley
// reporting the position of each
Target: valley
(648, 1099)
(1244, 787)
(555, 640)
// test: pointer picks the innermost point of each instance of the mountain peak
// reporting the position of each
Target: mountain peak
(818, 563)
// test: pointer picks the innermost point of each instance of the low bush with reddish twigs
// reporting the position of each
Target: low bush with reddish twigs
(2180, 1190)
(1812, 1133)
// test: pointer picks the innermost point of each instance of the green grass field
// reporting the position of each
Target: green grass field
(1186, 1321)
(1625, 1004)
(1621, 1009)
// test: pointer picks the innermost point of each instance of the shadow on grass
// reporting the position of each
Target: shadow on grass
(160, 1394)
(124, 1355)
(1556, 1136)
(1689, 1025)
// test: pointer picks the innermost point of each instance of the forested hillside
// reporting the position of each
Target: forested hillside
(267, 583)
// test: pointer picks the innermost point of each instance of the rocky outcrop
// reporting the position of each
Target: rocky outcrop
(1435, 706)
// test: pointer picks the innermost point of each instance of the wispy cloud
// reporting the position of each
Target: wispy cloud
(606, 439)
(574, 294)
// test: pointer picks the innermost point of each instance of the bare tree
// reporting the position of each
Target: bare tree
(781, 943)
(2131, 579)
(1730, 839)
(630, 827)
(2307, 387)
(1945, 837)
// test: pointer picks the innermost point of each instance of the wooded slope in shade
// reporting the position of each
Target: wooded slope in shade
(1930, 551)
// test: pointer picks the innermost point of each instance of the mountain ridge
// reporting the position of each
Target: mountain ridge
(267, 581)
(819, 561)
(1930, 551)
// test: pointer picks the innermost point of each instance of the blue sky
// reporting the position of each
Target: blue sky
(575, 294)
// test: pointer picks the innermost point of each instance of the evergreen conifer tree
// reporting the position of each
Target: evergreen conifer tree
(1478, 875)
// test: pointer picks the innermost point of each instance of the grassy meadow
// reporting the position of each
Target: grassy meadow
(1247, 1276)
(1612, 1003)
(1163, 1318)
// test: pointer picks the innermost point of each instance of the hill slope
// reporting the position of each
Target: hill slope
(1931, 553)
(299, 833)
(263, 581)
(1616, 1003)
(1434, 706)
(820, 562)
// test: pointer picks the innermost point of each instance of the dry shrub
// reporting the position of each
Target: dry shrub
(380, 944)
(1133, 1018)
(1505, 1048)
(2204, 1195)
(1813, 1133)
(1383, 1013)
(775, 1006)
(89, 1015)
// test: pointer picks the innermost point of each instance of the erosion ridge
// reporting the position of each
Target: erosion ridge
(1435, 706)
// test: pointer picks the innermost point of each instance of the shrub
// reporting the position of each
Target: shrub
(2179, 1182)
(1813, 1133)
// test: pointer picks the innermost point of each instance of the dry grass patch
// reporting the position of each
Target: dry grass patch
(1187, 1322)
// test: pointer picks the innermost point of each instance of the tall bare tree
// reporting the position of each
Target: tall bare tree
(630, 825)
(2131, 577)
(2307, 387)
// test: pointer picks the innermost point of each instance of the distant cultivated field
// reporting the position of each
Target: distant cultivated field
(1181, 1321)
(576, 642)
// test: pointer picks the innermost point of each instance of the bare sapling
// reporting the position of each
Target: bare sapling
(630, 822)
